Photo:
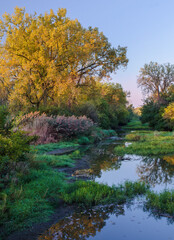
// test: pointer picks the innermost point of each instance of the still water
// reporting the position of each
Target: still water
(122, 222)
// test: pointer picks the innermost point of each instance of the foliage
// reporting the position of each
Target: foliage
(36, 191)
(14, 153)
(83, 140)
(169, 114)
(52, 129)
(91, 193)
(4, 124)
(149, 143)
(14, 146)
(155, 79)
(89, 110)
(152, 113)
(51, 54)
(162, 202)
(136, 124)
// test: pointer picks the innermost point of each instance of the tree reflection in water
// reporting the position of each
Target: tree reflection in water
(80, 226)
(156, 170)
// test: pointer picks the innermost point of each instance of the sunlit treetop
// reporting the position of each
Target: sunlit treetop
(46, 50)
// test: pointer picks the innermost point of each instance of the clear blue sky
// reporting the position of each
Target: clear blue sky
(145, 27)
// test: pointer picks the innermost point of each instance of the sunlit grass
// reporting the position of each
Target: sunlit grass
(91, 193)
(148, 143)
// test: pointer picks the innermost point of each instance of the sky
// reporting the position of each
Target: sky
(145, 27)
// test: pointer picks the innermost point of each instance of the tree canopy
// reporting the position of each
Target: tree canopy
(41, 55)
(156, 79)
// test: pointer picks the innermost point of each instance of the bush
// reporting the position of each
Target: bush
(52, 129)
(14, 152)
(83, 140)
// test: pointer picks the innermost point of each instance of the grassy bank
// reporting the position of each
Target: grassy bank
(40, 186)
(33, 186)
(136, 124)
(148, 143)
(37, 191)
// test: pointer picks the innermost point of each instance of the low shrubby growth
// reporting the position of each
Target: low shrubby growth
(52, 129)
(14, 155)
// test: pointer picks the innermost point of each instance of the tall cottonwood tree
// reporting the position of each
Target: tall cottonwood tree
(48, 52)
(156, 79)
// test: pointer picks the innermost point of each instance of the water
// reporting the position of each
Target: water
(111, 169)
(131, 221)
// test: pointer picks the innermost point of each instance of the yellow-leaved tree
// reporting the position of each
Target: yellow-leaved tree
(169, 112)
(41, 55)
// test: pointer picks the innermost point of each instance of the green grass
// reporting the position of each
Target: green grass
(38, 189)
(148, 143)
(91, 193)
(44, 148)
(162, 202)
(136, 124)
(37, 195)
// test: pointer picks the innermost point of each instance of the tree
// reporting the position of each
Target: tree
(169, 113)
(155, 79)
(49, 52)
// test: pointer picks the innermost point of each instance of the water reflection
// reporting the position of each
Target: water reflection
(111, 169)
(113, 222)
(120, 222)
(81, 226)
(156, 170)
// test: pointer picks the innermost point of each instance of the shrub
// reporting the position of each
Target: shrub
(83, 140)
(52, 129)
(14, 151)
(73, 126)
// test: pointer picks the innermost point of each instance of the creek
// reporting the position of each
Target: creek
(129, 221)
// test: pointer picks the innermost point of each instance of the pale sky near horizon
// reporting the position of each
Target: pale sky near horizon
(145, 27)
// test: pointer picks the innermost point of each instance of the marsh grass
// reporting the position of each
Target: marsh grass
(162, 202)
(148, 143)
(91, 193)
